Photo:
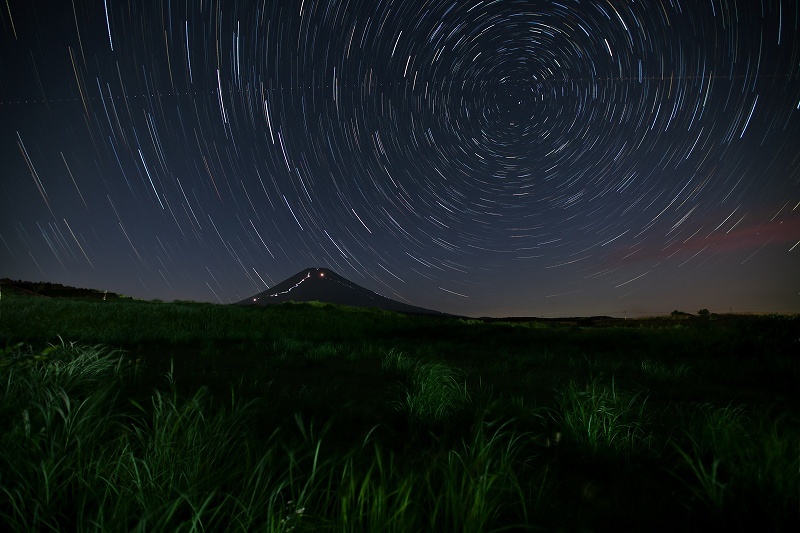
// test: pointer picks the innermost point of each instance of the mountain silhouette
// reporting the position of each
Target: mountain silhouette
(325, 285)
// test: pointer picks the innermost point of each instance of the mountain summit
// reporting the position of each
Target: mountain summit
(324, 285)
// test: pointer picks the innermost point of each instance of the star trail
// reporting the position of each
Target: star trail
(493, 158)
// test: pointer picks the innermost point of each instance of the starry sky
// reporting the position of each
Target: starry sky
(482, 158)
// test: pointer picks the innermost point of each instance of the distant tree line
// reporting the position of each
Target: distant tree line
(56, 290)
(702, 313)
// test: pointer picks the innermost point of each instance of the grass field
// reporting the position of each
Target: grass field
(131, 415)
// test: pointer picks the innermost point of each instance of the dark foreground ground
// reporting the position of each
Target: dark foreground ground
(129, 415)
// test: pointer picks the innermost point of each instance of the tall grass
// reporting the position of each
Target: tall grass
(132, 322)
(432, 392)
(75, 453)
(480, 485)
(602, 419)
(737, 461)
(397, 364)
(310, 418)
(72, 452)
(662, 370)
(51, 404)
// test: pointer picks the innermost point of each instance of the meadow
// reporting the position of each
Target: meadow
(128, 415)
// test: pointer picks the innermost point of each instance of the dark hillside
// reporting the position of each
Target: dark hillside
(325, 285)
(54, 290)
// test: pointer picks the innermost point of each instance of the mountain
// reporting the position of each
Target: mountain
(324, 285)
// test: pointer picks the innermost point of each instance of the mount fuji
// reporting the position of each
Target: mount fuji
(325, 285)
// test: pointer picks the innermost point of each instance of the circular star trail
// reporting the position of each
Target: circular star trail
(478, 157)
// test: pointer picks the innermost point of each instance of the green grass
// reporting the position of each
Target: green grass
(602, 420)
(434, 394)
(662, 370)
(156, 417)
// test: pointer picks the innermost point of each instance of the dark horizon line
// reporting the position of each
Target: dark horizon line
(10, 283)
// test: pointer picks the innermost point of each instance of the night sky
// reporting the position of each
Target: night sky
(495, 158)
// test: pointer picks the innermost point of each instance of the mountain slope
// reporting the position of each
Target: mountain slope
(324, 285)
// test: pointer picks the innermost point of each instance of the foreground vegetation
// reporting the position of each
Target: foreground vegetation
(131, 415)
